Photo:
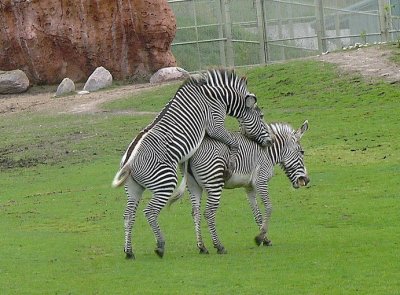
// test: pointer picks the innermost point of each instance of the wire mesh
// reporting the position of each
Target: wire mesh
(247, 32)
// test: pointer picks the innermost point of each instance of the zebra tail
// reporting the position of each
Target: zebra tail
(178, 192)
(121, 176)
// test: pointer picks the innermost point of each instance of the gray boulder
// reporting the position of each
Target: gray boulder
(169, 74)
(100, 78)
(14, 81)
(66, 86)
(83, 92)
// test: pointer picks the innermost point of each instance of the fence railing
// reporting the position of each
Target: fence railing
(249, 32)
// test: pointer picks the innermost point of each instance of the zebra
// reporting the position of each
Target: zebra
(199, 107)
(254, 168)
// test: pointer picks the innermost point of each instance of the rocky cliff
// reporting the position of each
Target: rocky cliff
(53, 39)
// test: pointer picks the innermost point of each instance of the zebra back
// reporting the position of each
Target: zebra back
(203, 100)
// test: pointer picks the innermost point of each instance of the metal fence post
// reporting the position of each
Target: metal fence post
(319, 15)
(220, 18)
(228, 34)
(384, 8)
(197, 34)
(261, 30)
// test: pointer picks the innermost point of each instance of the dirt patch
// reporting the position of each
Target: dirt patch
(371, 62)
(7, 163)
(44, 100)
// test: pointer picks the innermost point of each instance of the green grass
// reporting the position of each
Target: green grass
(395, 56)
(61, 224)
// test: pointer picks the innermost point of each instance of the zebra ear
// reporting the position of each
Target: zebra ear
(251, 100)
(299, 132)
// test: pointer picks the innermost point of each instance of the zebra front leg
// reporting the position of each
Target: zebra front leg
(209, 214)
(263, 236)
(251, 197)
(220, 133)
(134, 193)
(231, 167)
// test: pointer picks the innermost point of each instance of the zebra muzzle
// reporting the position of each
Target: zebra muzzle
(302, 181)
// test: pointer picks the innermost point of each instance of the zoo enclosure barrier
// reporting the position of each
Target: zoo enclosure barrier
(250, 32)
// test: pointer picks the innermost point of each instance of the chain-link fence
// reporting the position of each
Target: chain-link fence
(248, 32)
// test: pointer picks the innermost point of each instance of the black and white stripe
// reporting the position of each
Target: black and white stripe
(199, 107)
(254, 168)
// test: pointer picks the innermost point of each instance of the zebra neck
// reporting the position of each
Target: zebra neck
(275, 153)
(217, 97)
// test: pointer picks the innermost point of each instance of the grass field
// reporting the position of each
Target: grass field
(61, 223)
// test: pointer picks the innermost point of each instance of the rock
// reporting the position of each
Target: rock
(100, 78)
(83, 92)
(66, 86)
(14, 81)
(51, 39)
(169, 74)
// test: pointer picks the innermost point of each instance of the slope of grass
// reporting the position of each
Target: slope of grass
(61, 224)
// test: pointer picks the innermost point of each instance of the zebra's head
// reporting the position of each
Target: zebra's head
(292, 158)
(253, 127)
(242, 105)
(230, 90)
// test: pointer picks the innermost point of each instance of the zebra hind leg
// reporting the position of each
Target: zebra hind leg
(209, 214)
(134, 193)
(161, 194)
(152, 211)
(196, 217)
(195, 192)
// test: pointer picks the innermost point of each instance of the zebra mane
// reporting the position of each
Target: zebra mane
(281, 128)
(210, 77)
(214, 76)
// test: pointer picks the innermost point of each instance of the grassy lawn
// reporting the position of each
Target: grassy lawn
(61, 223)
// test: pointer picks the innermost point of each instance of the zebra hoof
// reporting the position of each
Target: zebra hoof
(160, 249)
(222, 250)
(267, 242)
(259, 239)
(129, 255)
(203, 250)
(159, 252)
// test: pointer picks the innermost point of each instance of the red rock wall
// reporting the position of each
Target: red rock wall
(53, 39)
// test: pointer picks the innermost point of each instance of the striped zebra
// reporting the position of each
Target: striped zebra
(254, 168)
(199, 107)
